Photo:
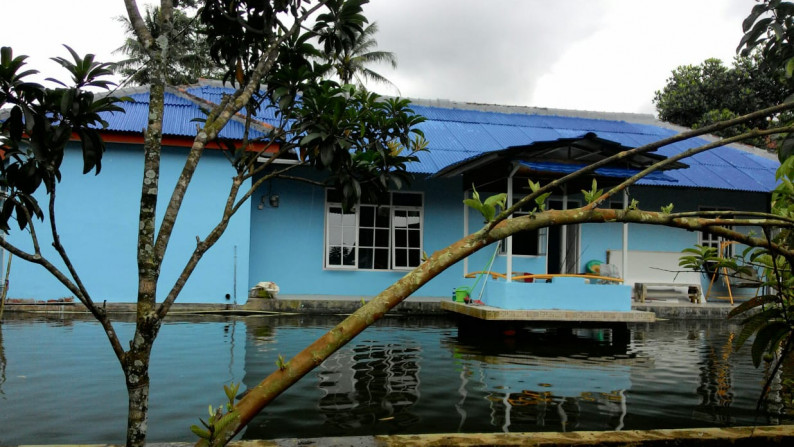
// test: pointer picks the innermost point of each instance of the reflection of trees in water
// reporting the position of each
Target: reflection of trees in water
(371, 383)
(716, 382)
(779, 403)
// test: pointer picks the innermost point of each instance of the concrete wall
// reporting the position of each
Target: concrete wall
(98, 222)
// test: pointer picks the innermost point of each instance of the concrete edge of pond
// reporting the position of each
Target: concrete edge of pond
(307, 306)
(734, 436)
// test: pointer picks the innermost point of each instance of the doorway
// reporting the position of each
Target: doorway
(562, 254)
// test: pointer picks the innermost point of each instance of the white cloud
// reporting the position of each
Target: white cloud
(606, 55)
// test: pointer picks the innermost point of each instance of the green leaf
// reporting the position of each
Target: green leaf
(757, 10)
(768, 336)
(789, 67)
(534, 186)
(473, 203)
(200, 432)
(751, 324)
(752, 303)
(498, 199)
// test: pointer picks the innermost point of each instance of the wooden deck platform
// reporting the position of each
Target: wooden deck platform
(489, 313)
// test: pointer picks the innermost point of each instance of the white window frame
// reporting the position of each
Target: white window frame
(392, 248)
(543, 234)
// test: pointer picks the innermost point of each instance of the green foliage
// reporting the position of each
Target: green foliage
(540, 201)
(188, 49)
(241, 31)
(350, 62)
(487, 208)
(594, 193)
(667, 209)
(362, 140)
(698, 257)
(699, 95)
(40, 123)
(282, 365)
(769, 28)
(218, 419)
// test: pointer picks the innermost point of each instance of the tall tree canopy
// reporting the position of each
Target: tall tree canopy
(698, 95)
(351, 62)
(361, 142)
(188, 57)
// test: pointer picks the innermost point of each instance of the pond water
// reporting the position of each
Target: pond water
(60, 383)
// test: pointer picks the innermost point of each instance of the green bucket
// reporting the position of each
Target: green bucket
(460, 294)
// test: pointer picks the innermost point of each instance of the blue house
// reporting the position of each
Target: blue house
(296, 234)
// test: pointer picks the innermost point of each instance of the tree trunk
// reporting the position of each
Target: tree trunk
(138, 395)
(136, 374)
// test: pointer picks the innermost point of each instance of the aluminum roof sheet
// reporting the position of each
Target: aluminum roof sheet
(458, 134)
(567, 168)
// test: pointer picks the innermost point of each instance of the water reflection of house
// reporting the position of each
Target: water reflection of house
(370, 382)
(362, 384)
(548, 380)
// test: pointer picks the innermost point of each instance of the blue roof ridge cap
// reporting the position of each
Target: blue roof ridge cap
(635, 118)
(124, 91)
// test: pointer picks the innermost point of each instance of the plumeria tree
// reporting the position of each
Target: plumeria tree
(361, 141)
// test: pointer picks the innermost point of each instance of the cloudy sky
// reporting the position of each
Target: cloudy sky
(605, 55)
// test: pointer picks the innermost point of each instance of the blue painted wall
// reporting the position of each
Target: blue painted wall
(287, 242)
(561, 293)
(98, 221)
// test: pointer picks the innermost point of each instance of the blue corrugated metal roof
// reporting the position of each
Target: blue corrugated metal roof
(567, 168)
(455, 135)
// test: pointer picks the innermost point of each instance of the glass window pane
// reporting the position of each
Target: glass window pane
(413, 219)
(349, 235)
(366, 216)
(366, 237)
(407, 199)
(382, 219)
(525, 243)
(365, 258)
(381, 258)
(349, 256)
(335, 236)
(381, 199)
(382, 238)
(414, 258)
(413, 238)
(400, 257)
(349, 219)
(400, 238)
(399, 219)
(335, 256)
(334, 216)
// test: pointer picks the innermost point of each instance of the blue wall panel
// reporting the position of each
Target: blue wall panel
(287, 242)
(98, 222)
